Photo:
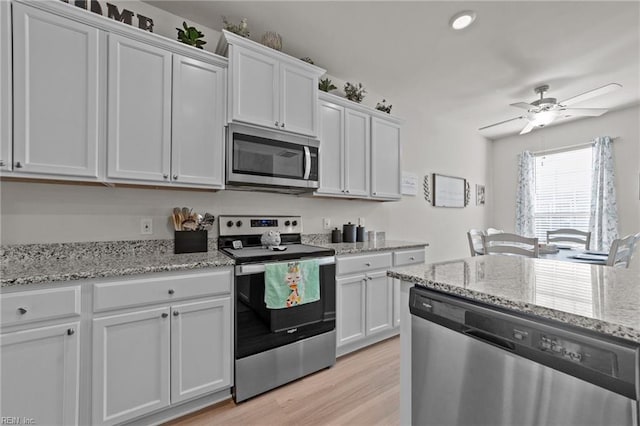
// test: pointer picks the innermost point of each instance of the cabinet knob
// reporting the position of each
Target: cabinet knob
(176, 313)
(277, 124)
(412, 258)
(175, 177)
(2, 163)
(18, 165)
(347, 191)
(369, 278)
(164, 315)
(166, 176)
(70, 332)
(171, 291)
(22, 311)
(367, 264)
(282, 125)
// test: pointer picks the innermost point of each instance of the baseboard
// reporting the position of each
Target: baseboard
(367, 341)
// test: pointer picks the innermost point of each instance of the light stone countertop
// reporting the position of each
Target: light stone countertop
(55, 263)
(382, 245)
(593, 297)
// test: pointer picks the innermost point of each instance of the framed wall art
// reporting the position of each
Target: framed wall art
(480, 195)
(448, 191)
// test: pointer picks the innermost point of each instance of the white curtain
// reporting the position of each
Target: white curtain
(526, 195)
(603, 221)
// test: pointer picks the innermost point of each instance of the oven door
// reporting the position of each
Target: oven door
(270, 159)
(259, 329)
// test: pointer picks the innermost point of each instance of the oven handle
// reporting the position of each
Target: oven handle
(307, 163)
(259, 267)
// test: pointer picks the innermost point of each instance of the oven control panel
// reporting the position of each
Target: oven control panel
(257, 225)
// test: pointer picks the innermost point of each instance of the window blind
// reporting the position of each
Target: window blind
(563, 191)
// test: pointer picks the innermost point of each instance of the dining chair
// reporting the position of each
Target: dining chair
(621, 251)
(569, 235)
(475, 241)
(494, 231)
(510, 244)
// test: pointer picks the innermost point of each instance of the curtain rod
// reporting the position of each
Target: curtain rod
(566, 148)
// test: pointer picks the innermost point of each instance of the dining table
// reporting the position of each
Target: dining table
(573, 254)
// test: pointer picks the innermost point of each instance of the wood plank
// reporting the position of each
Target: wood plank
(362, 388)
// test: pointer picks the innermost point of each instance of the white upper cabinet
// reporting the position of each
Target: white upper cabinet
(331, 156)
(269, 88)
(139, 111)
(6, 103)
(57, 78)
(197, 141)
(357, 142)
(385, 159)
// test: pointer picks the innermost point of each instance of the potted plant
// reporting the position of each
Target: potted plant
(384, 107)
(354, 93)
(326, 85)
(191, 36)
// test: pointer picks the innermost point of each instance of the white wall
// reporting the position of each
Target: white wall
(36, 212)
(622, 124)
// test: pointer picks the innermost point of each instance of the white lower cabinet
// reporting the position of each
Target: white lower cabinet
(146, 360)
(351, 299)
(40, 370)
(379, 306)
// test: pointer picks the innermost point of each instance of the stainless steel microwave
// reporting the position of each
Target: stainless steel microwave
(259, 158)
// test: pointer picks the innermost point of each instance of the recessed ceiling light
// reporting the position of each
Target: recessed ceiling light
(462, 20)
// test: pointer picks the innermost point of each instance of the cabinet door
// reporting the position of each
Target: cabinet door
(396, 302)
(350, 317)
(379, 302)
(6, 105)
(200, 348)
(356, 162)
(57, 76)
(299, 100)
(130, 365)
(40, 374)
(197, 142)
(385, 159)
(331, 155)
(255, 93)
(139, 141)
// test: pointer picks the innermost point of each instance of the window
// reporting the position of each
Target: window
(563, 191)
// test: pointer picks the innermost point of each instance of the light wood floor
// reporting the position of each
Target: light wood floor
(363, 388)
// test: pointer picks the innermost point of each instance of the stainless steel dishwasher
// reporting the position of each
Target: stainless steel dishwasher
(471, 365)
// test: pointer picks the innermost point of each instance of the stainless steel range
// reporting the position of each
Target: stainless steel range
(276, 346)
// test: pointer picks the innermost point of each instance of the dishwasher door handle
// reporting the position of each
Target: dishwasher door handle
(490, 338)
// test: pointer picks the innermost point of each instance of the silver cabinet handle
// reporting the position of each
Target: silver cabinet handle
(176, 313)
(171, 291)
(18, 165)
(369, 278)
(175, 177)
(282, 125)
(2, 163)
(277, 124)
(166, 176)
(347, 191)
(70, 332)
(164, 315)
(412, 258)
(367, 264)
(22, 311)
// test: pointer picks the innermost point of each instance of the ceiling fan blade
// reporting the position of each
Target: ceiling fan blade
(502, 122)
(529, 127)
(522, 105)
(591, 94)
(586, 112)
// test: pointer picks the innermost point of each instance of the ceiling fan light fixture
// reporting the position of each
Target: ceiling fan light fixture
(462, 20)
(544, 118)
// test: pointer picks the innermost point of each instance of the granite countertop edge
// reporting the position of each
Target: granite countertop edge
(599, 326)
(364, 247)
(58, 278)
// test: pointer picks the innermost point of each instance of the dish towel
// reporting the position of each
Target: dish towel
(289, 284)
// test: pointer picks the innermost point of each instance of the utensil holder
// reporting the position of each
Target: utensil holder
(190, 242)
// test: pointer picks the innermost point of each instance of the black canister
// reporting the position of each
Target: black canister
(336, 236)
(361, 234)
(349, 233)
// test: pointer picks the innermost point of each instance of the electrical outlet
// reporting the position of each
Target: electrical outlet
(326, 223)
(361, 221)
(146, 226)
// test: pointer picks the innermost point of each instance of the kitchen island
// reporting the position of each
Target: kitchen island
(595, 300)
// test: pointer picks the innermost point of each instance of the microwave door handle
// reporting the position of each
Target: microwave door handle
(307, 163)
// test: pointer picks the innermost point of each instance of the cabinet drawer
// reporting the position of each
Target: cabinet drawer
(363, 263)
(120, 294)
(408, 257)
(37, 305)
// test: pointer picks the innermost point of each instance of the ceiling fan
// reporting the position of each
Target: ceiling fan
(544, 111)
